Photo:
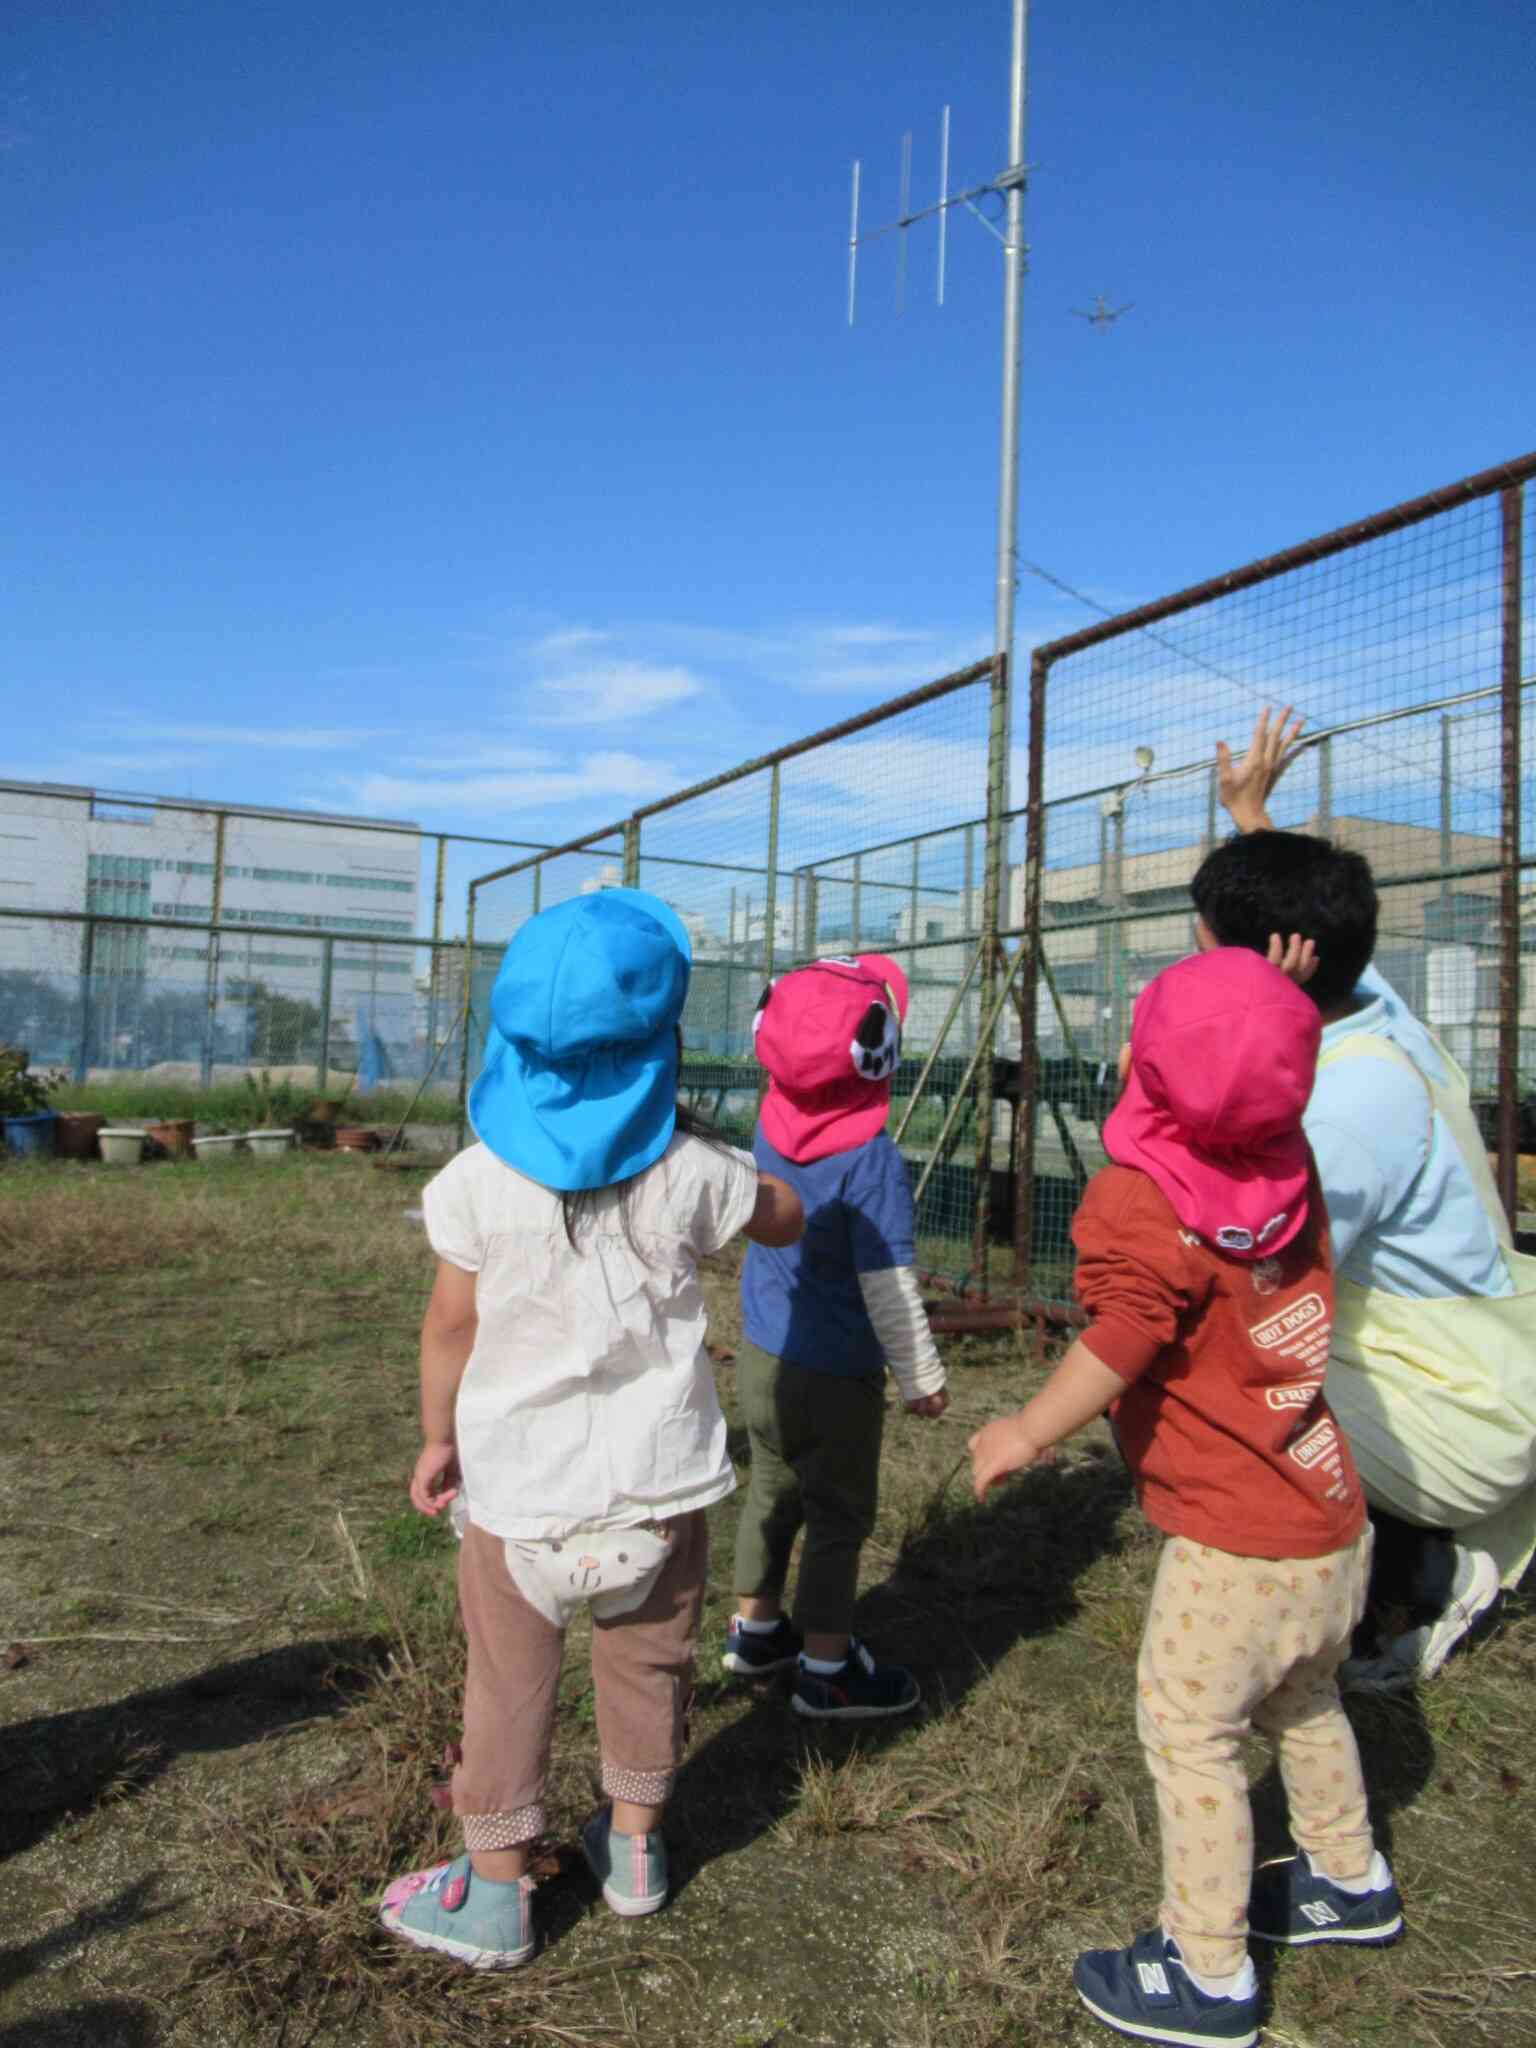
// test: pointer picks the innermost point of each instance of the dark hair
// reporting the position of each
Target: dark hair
(578, 1204)
(1259, 883)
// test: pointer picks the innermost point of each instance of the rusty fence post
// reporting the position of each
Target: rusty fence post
(1026, 1114)
(1511, 507)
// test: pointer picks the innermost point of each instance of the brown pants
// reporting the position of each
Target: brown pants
(1234, 1643)
(642, 1674)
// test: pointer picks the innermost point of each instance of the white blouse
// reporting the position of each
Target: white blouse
(588, 1401)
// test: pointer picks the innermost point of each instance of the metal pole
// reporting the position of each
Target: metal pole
(812, 913)
(632, 851)
(1014, 252)
(1117, 931)
(1324, 788)
(991, 959)
(858, 901)
(1446, 931)
(1026, 1113)
(730, 979)
(215, 914)
(771, 901)
(323, 1064)
(917, 854)
(938, 1046)
(1510, 509)
(437, 933)
(87, 968)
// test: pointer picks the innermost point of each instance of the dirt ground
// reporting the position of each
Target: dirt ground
(233, 1666)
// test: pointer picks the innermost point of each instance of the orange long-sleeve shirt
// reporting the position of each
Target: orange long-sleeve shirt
(1223, 1422)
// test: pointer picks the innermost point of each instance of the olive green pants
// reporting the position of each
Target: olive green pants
(815, 1464)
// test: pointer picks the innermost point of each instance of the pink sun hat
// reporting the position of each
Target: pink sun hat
(1223, 1057)
(829, 1036)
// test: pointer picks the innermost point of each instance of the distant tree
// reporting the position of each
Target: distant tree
(280, 1029)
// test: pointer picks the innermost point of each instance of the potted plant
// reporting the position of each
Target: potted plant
(276, 1111)
(219, 1141)
(28, 1121)
(121, 1145)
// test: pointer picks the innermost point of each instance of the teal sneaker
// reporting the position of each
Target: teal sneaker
(484, 1925)
(632, 1869)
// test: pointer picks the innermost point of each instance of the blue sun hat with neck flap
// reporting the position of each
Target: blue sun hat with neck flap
(579, 1085)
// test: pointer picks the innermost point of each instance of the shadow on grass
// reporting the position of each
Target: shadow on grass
(94, 2023)
(58, 1767)
(99, 2022)
(968, 1584)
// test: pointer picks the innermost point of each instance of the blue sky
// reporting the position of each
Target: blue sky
(450, 413)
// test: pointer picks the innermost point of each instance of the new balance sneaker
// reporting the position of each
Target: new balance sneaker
(632, 1869)
(859, 1690)
(1419, 1653)
(1145, 1991)
(484, 1925)
(753, 1653)
(1293, 1903)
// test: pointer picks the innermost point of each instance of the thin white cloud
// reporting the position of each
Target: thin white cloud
(613, 780)
(606, 693)
(304, 739)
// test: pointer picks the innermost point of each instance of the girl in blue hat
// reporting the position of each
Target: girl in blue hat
(567, 1404)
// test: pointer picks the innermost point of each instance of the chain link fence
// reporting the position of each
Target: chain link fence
(1405, 641)
(192, 944)
(870, 836)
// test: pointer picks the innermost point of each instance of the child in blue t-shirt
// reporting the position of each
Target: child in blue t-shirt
(822, 1320)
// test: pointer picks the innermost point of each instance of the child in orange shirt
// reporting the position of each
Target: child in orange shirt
(1203, 1262)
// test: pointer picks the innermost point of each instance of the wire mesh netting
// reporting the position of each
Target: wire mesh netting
(864, 840)
(161, 936)
(1392, 653)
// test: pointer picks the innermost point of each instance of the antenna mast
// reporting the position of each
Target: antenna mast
(1009, 186)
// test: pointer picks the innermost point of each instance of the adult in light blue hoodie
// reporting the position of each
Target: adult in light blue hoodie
(1432, 1369)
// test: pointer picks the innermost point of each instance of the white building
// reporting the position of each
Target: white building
(65, 849)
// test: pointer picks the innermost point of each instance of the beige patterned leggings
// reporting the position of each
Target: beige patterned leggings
(1233, 1644)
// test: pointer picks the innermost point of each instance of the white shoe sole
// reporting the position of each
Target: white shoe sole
(1461, 1614)
(1365, 1937)
(461, 1951)
(851, 1713)
(1180, 2036)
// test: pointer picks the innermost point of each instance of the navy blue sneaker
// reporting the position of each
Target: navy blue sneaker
(752, 1655)
(1146, 1992)
(859, 1690)
(1293, 1904)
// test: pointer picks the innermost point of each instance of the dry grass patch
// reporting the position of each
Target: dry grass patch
(203, 1439)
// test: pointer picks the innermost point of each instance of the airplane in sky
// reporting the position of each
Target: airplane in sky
(1103, 314)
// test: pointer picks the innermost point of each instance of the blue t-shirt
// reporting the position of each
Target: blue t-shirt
(1403, 1210)
(802, 1301)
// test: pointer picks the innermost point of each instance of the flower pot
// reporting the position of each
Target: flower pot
(120, 1147)
(30, 1135)
(270, 1144)
(223, 1145)
(74, 1134)
(174, 1136)
(356, 1138)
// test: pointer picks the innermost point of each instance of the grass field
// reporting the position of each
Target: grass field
(234, 1668)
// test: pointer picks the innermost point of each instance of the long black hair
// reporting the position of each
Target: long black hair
(579, 1205)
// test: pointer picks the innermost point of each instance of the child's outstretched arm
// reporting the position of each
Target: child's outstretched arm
(447, 1338)
(1080, 1388)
